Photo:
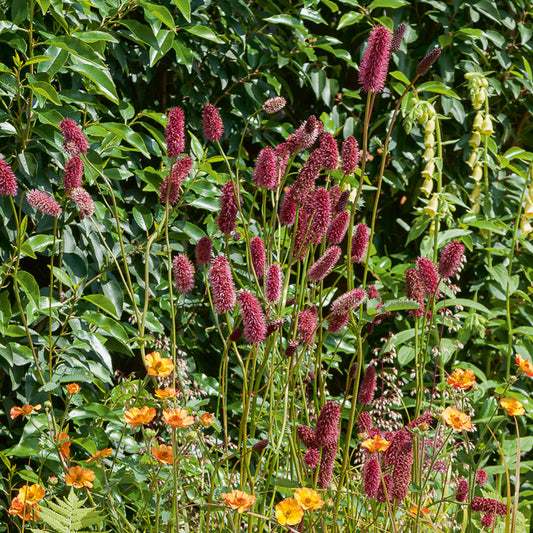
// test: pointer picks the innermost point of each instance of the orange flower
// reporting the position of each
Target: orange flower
(461, 379)
(177, 417)
(136, 416)
(31, 494)
(525, 365)
(25, 410)
(308, 499)
(24, 510)
(79, 477)
(100, 454)
(167, 392)
(206, 419)
(424, 510)
(73, 388)
(289, 512)
(239, 500)
(376, 444)
(512, 406)
(64, 442)
(158, 366)
(163, 454)
(456, 419)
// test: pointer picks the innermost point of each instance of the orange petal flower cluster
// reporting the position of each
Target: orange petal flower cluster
(167, 392)
(25, 410)
(239, 500)
(424, 510)
(158, 366)
(64, 443)
(31, 494)
(525, 365)
(177, 417)
(136, 416)
(456, 419)
(289, 512)
(163, 454)
(461, 379)
(79, 477)
(24, 510)
(512, 406)
(376, 444)
(207, 419)
(73, 388)
(100, 454)
(308, 499)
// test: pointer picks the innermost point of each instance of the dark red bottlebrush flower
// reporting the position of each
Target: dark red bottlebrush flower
(367, 388)
(307, 175)
(174, 180)
(302, 238)
(381, 496)
(203, 250)
(428, 274)
(321, 215)
(402, 471)
(450, 259)
(338, 322)
(306, 135)
(261, 445)
(221, 284)
(350, 155)
(258, 254)
(273, 105)
(395, 449)
(371, 476)
(287, 210)
(329, 147)
(414, 290)
(283, 153)
(73, 173)
(373, 293)
(337, 228)
(43, 202)
(306, 327)
(307, 436)
(235, 335)
(212, 123)
(75, 141)
(8, 182)
(83, 201)
(312, 457)
(183, 271)
(488, 505)
(343, 202)
(375, 63)
(364, 422)
(227, 218)
(253, 318)
(353, 370)
(327, 425)
(327, 465)
(426, 63)
(487, 520)
(273, 283)
(360, 242)
(334, 195)
(349, 300)
(424, 419)
(461, 492)
(397, 38)
(266, 171)
(292, 348)
(175, 132)
(274, 326)
(324, 265)
(481, 477)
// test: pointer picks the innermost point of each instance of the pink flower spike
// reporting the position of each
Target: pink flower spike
(375, 63)
(325, 264)
(360, 243)
(73, 173)
(287, 210)
(451, 259)
(257, 251)
(175, 179)
(327, 425)
(83, 201)
(428, 274)
(203, 250)
(183, 271)
(349, 300)
(266, 171)
(43, 202)
(175, 132)
(227, 217)
(273, 283)
(253, 318)
(212, 123)
(329, 147)
(8, 182)
(350, 155)
(337, 228)
(75, 141)
(222, 286)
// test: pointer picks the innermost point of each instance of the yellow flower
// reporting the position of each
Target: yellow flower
(79, 477)
(100, 454)
(472, 160)
(429, 140)
(73, 388)
(474, 195)
(512, 406)
(376, 444)
(477, 173)
(136, 416)
(525, 226)
(239, 500)
(163, 454)
(475, 140)
(430, 126)
(177, 417)
(525, 365)
(308, 499)
(289, 512)
(429, 153)
(158, 366)
(167, 392)
(456, 419)
(31, 494)
(478, 120)
(461, 379)
(424, 510)
(432, 206)
(528, 210)
(486, 126)
(429, 169)
(427, 186)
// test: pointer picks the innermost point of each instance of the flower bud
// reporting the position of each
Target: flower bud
(479, 98)
(472, 160)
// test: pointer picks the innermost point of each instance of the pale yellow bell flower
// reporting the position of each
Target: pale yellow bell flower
(475, 140)
(477, 122)
(474, 195)
(477, 173)
(432, 206)
(427, 187)
(429, 140)
(528, 210)
(525, 226)
(472, 160)
(486, 126)
(429, 170)
(429, 153)
(430, 126)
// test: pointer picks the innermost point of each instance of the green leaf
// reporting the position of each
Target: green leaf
(143, 217)
(44, 89)
(400, 304)
(95, 36)
(205, 33)
(29, 286)
(161, 13)
(103, 303)
(437, 87)
(393, 4)
(63, 277)
(5, 311)
(185, 7)
(400, 76)
(37, 59)
(348, 19)
(100, 77)
(143, 34)
(462, 302)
